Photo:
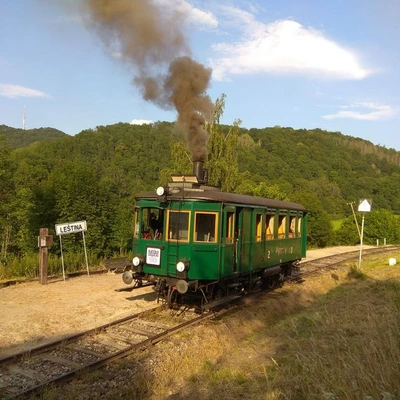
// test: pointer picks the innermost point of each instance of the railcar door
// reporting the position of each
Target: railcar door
(244, 239)
(229, 242)
(236, 240)
(178, 238)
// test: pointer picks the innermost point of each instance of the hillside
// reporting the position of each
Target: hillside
(336, 168)
(16, 138)
(96, 174)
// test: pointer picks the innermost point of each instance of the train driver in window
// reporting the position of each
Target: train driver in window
(155, 226)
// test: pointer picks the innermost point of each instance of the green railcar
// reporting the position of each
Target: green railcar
(192, 240)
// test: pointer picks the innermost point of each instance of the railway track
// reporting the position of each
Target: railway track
(27, 372)
(329, 262)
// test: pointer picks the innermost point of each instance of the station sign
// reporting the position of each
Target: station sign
(71, 227)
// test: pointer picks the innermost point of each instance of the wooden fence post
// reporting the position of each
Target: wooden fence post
(44, 242)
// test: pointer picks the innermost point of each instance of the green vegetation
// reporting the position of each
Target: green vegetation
(380, 225)
(27, 266)
(21, 138)
(96, 174)
(336, 224)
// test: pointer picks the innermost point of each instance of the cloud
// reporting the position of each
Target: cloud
(13, 91)
(363, 111)
(281, 47)
(140, 122)
(193, 15)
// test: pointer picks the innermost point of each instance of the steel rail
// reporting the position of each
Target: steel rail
(9, 362)
(329, 262)
(70, 339)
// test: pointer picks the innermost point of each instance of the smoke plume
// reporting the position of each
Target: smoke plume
(149, 38)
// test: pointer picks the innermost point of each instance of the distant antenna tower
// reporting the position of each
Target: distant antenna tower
(24, 119)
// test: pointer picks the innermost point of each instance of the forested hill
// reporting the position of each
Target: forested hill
(16, 138)
(96, 174)
(336, 168)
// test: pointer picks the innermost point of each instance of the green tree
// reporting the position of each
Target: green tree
(82, 195)
(248, 186)
(122, 226)
(347, 234)
(378, 225)
(319, 227)
(222, 158)
(24, 239)
(381, 224)
(6, 196)
(181, 162)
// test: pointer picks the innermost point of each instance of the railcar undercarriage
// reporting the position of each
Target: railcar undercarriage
(174, 292)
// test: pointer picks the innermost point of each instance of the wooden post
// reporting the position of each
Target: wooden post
(44, 242)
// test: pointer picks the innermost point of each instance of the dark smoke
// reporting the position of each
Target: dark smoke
(150, 39)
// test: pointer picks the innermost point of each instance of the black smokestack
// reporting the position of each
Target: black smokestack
(198, 171)
(150, 39)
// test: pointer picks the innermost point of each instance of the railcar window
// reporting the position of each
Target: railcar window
(205, 227)
(292, 226)
(230, 227)
(152, 223)
(269, 227)
(178, 225)
(282, 226)
(258, 227)
(136, 223)
(299, 226)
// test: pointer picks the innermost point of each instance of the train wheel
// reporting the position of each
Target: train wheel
(270, 282)
(172, 297)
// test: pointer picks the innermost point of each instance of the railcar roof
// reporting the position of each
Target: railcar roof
(231, 198)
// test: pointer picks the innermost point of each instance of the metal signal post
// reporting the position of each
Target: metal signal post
(364, 206)
(361, 241)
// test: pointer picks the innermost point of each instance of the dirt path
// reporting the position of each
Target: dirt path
(32, 314)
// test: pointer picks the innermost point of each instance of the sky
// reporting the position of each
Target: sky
(306, 64)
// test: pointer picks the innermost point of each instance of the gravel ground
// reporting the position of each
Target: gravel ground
(32, 314)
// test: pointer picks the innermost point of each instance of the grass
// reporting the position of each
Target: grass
(27, 266)
(325, 339)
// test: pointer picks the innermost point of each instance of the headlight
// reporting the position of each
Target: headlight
(136, 261)
(160, 191)
(182, 266)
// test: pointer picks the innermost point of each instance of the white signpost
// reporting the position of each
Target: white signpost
(364, 206)
(72, 227)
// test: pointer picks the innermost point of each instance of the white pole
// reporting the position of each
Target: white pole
(62, 258)
(84, 246)
(361, 242)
